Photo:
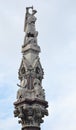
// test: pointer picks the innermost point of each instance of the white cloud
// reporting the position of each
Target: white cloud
(9, 123)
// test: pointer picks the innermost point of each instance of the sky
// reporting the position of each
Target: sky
(56, 24)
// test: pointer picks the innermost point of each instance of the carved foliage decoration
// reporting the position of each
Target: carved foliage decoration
(31, 114)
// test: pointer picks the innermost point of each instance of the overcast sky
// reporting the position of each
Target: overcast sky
(56, 23)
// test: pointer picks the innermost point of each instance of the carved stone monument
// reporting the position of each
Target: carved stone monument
(30, 106)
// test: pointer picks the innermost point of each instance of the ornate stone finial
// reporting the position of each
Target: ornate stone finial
(31, 105)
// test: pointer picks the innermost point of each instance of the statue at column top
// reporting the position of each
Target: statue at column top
(30, 19)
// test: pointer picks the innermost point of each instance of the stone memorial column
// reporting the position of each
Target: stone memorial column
(30, 105)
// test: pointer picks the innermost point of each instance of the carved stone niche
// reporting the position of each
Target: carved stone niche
(31, 113)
